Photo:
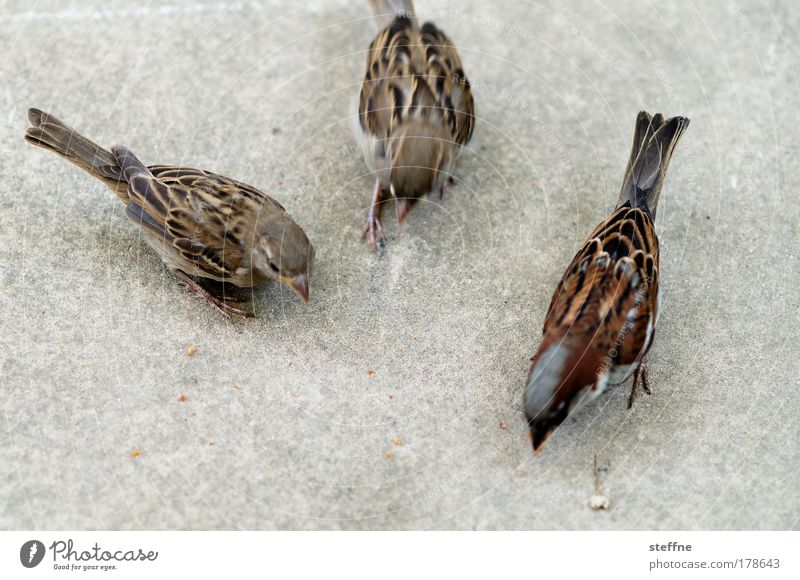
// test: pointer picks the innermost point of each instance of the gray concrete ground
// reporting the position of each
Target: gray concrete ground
(284, 425)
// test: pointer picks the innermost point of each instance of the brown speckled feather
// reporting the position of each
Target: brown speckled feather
(178, 202)
(200, 223)
(598, 293)
(602, 317)
(415, 110)
(415, 74)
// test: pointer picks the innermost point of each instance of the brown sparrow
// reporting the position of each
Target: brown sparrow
(201, 224)
(602, 317)
(415, 110)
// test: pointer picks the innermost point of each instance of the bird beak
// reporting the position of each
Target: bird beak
(300, 285)
(539, 439)
(402, 207)
(540, 430)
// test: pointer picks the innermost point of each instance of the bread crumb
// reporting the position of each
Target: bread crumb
(397, 442)
(194, 413)
(370, 373)
(295, 395)
(182, 398)
(191, 350)
(391, 397)
(237, 387)
(434, 352)
(211, 444)
(599, 502)
(389, 454)
(503, 425)
(136, 453)
(414, 339)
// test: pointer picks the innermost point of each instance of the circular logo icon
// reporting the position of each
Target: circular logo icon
(31, 553)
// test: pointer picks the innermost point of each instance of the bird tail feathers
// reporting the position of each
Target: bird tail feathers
(54, 135)
(385, 11)
(654, 140)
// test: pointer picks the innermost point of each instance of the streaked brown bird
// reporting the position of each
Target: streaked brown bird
(415, 111)
(203, 225)
(602, 317)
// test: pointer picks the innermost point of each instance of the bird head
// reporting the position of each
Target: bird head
(562, 378)
(283, 252)
(420, 155)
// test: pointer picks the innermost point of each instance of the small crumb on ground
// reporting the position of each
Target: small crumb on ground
(295, 395)
(370, 373)
(136, 453)
(503, 425)
(191, 350)
(397, 442)
(599, 502)
(389, 454)
(237, 387)
(434, 352)
(182, 398)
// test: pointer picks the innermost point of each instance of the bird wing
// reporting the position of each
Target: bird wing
(205, 217)
(608, 297)
(415, 73)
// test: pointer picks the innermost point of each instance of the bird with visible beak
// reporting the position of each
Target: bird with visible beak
(203, 225)
(602, 317)
(415, 111)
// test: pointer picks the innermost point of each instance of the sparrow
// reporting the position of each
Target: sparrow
(415, 111)
(203, 225)
(602, 317)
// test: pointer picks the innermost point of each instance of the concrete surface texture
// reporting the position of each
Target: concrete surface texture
(393, 400)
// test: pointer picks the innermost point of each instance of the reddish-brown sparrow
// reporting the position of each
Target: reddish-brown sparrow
(202, 225)
(415, 110)
(602, 317)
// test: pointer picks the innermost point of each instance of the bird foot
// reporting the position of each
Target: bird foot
(640, 377)
(374, 231)
(373, 228)
(445, 187)
(217, 303)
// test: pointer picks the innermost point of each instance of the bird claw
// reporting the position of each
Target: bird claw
(221, 305)
(444, 188)
(226, 309)
(646, 382)
(372, 227)
(640, 377)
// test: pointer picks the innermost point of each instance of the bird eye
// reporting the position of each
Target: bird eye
(274, 267)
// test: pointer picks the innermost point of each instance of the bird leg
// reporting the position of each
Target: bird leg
(445, 187)
(218, 304)
(640, 375)
(373, 224)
